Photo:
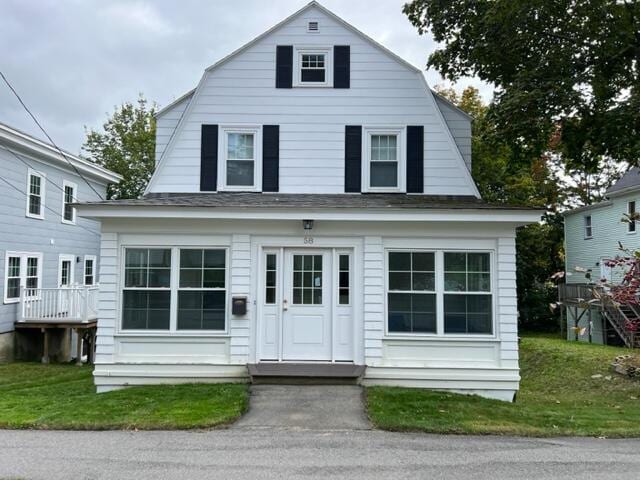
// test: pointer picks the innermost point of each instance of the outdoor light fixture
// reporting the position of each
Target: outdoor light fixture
(307, 225)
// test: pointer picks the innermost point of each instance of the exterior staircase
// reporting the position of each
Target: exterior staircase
(618, 316)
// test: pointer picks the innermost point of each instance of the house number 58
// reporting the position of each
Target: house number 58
(308, 240)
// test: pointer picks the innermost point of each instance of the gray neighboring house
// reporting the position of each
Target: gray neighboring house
(44, 244)
(592, 235)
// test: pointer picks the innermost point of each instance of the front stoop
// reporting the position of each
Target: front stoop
(306, 373)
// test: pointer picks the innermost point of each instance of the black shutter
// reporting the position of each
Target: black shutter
(284, 66)
(209, 158)
(353, 158)
(270, 157)
(341, 66)
(415, 159)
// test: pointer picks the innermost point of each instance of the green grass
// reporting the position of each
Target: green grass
(557, 396)
(63, 397)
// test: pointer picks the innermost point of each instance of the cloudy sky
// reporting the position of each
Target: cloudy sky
(72, 61)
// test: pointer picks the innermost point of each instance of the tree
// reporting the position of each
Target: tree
(126, 146)
(563, 68)
(504, 177)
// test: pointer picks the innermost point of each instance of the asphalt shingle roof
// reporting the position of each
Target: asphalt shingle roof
(629, 179)
(300, 200)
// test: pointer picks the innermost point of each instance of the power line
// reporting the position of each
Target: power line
(32, 167)
(47, 135)
(48, 208)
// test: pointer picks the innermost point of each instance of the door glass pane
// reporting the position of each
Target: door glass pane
(307, 279)
(270, 279)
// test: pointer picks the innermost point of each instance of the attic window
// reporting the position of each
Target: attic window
(313, 27)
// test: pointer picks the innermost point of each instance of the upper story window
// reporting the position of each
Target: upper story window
(588, 229)
(35, 194)
(240, 168)
(68, 198)
(631, 212)
(313, 67)
(385, 162)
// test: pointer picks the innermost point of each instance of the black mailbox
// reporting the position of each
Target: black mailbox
(239, 306)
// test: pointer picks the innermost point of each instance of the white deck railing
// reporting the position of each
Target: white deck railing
(52, 305)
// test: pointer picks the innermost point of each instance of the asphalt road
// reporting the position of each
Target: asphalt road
(276, 453)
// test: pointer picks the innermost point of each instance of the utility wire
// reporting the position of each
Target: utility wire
(47, 135)
(48, 208)
(32, 167)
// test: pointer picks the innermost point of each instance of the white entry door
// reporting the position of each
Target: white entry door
(306, 305)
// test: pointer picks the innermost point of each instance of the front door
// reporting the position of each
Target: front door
(306, 305)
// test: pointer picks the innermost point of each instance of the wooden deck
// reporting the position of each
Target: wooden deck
(305, 372)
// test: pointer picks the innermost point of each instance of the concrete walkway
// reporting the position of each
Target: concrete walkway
(310, 407)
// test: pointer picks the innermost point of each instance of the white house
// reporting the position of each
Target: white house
(312, 210)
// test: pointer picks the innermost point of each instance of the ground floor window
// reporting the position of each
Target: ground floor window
(460, 287)
(194, 297)
(89, 270)
(21, 270)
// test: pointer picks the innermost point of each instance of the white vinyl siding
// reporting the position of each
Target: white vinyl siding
(312, 120)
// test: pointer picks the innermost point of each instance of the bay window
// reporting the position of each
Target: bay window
(439, 292)
(175, 289)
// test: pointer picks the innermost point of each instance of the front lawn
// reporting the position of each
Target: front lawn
(63, 397)
(567, 389)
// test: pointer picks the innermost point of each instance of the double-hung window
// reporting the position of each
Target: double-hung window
(89, 270)
(22, 270)
(202, 291)
(383, 170)
(631, 213)
(241, 165)
(35, 194)
(411, 296)
(68, 198)
(313, 67)
(588, 228)
(467, 292)
(146, 297)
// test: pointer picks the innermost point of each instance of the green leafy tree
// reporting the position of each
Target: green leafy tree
(126, 146)
(563, 69)
(504, 177)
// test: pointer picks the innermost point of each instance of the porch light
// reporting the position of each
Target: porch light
(307, 225)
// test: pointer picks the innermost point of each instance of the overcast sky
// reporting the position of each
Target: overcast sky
(73, 61)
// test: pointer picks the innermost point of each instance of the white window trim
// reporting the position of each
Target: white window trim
(72, 258)
(173, 331)
(23, 271)
(585, 227)
(66, 184)
(84, 270)
(43, 183)
(440, 293)
(298, 51)
(635, 223)
(256, 130)
(401, 156)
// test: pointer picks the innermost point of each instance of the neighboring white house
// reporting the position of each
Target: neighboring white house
(44, 245)
(593, 234)
(313, 178)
